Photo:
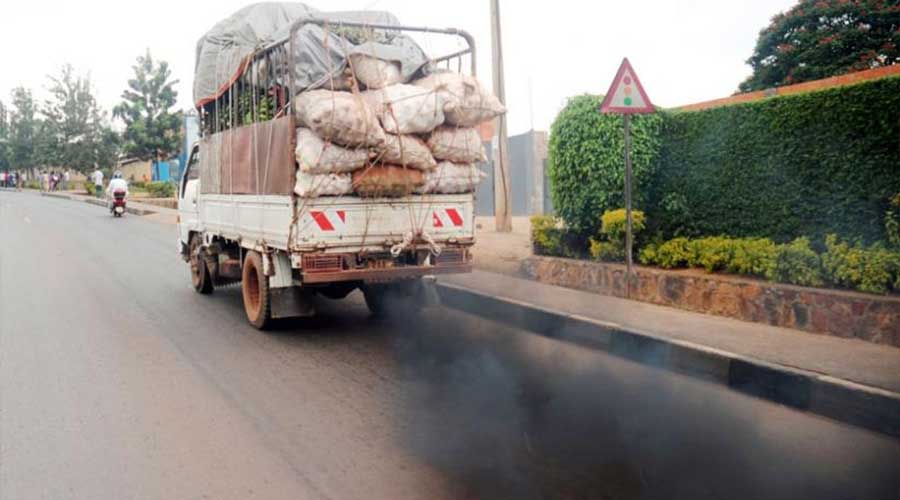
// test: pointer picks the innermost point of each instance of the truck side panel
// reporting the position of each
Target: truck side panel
(247, 218)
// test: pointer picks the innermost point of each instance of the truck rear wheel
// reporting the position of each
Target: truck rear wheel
(255, 289)
(200, 277)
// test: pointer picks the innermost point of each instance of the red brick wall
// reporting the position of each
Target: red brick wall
(825, 83)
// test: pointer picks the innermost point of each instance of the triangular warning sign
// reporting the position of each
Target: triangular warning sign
(626, 94)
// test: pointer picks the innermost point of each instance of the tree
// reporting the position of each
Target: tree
(586, 165)
(822, 38)
(152, 130)
(22, 128)
(74, 133)
(4, 137)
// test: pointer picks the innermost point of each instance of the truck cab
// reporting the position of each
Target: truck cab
(188, 189)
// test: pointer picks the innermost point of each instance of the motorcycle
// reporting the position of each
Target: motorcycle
(118, 204)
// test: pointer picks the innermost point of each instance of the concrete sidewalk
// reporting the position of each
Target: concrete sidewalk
(845, 379)
(155, 212)
(502, 252)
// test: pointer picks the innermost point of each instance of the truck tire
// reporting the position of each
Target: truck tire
(255, 289)
(200, 277)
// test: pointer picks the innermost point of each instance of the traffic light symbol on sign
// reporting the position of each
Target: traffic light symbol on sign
(626, 95)
(627, 91)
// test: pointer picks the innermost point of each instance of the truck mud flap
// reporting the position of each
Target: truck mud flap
(291, 302)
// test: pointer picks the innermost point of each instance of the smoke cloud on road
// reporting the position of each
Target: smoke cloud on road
(510, 414)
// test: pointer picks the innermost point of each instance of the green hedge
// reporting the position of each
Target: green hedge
(808, 164)
(586, 167)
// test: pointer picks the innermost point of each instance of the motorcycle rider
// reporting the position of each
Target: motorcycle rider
(117, 183)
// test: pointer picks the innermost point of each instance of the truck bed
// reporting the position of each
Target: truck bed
(337, 224)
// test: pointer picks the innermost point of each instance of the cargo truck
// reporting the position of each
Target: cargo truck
(240, 220)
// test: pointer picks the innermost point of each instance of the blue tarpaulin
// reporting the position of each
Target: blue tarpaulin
(160, 171)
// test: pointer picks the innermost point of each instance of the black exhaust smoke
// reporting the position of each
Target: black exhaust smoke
(512, 415)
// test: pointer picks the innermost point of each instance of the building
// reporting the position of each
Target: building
(529, 188)
(134, 170)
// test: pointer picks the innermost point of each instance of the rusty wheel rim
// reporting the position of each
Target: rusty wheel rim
(195, 265)
(252, 290)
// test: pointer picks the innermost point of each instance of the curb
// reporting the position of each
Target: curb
(100, 203)
(848, 402)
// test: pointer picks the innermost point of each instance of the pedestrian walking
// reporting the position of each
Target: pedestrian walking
(97, 177)
(66, 179)
(3, 179)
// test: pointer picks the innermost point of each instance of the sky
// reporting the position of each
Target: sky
(684, 51)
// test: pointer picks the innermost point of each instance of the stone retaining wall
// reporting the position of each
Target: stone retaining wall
(843, 314)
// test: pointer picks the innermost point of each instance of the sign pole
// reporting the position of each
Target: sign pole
(628, 220)
(626, 96)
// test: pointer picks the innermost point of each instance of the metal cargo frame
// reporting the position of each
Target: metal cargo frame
(230, 160)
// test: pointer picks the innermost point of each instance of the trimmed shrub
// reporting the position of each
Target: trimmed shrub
(586, 164)
(672, 254)
(799, 165)
(798, 264)
(545, 235)
(748, 257)
(550, 237)
(613, 228)
(752, 257)
(613, 224)
(606, 251)
(160, 189)
(872, 269)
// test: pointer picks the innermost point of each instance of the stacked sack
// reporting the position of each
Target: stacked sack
(392, 139)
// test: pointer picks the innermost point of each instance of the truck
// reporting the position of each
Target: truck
(240, 220)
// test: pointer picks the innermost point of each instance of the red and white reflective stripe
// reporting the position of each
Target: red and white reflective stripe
(330, 220)
(449, 217)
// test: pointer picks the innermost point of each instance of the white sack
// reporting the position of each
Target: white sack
(373, 73)
(459, 145)
(407, 109)
(408, 151)
(471, 103)
(339, 117)
(316, 156)
(313, 186)
(452, 178)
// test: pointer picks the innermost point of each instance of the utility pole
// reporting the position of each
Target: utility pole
(502, 209)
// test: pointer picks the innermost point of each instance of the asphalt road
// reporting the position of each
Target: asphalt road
(117, 381)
